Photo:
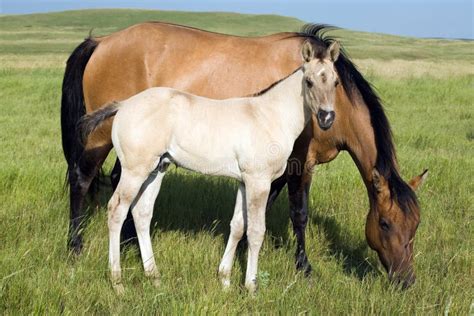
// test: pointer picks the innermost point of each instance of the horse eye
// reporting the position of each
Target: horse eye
(309, 83)
(384, 225)
(336, 83)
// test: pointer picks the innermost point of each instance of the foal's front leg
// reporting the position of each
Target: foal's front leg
(237, 228)
(256, 195)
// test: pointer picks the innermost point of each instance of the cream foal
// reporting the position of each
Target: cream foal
(249, 139)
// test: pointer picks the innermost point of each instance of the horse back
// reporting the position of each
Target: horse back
(203, 63)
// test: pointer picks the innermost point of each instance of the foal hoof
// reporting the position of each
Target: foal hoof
(154, 277)
(225, 280)
(252, 287)
(156, 282)
(118, 288)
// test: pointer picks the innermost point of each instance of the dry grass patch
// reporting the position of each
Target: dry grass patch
(33, 61)
(399, 69)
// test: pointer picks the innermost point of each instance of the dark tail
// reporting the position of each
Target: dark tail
(88, 123)
(72, 101)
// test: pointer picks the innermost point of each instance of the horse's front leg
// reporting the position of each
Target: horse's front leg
(237, 229)
(256, 194)
(277, 186)
(299, 176)
(298, 191)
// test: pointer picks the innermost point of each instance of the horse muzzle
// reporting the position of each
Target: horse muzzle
(325, 119)
(404, 280)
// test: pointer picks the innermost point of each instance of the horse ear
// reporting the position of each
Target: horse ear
(378, 181)
(418, 180)
(307, 51)
(334, 51)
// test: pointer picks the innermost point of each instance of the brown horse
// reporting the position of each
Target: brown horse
(117, 66)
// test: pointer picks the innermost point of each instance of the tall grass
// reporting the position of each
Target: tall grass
(432, 119)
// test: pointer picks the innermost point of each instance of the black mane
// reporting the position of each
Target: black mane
(354, 84)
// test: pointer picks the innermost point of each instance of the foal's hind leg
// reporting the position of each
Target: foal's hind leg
(142, 214)
(237, 228)
(128, 233)
(126, 193)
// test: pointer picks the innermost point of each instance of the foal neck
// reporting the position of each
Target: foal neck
(286, 103)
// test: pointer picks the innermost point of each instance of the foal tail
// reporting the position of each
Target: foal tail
(90, 122)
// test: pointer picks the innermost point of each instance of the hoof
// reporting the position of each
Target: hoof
(225, 284)
(225, 279)
(252, 287)
(118, 288)
(155, 280)
(154, 277)
(75, 246)
(305, 267)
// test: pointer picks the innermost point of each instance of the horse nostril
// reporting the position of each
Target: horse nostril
(325, 119)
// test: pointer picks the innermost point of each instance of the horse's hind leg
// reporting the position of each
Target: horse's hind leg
(80, 177)
(127, 191)
(142, 214)
(115, 174)
(237, 229)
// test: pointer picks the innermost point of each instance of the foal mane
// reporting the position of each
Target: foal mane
(354, 83)
(261, 92)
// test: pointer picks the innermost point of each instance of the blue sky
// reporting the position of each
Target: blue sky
(421, 18)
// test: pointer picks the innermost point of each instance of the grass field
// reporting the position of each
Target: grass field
(428, 91)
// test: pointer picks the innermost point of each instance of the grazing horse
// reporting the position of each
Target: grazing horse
(117, 66)
(231, 137)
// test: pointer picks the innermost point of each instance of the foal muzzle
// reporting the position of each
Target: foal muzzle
(325, 119)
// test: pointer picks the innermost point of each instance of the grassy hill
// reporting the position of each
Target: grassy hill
(427, 88)
(26, 34)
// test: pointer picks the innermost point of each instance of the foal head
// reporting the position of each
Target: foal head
(320, 81)
(392, 223)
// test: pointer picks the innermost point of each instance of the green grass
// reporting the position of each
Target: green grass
(433, 123)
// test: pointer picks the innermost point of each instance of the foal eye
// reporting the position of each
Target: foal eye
(384, 225)
(336, 83)
(309, 83)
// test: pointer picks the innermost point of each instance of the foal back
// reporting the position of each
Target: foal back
(215, 137)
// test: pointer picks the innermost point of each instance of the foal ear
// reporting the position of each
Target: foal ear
(418, 180)
(334, 51)
(378, 181)
(307, 51)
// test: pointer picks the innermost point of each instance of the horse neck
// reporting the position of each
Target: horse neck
(286, 104)
(359, 138)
